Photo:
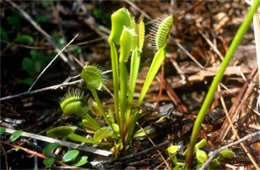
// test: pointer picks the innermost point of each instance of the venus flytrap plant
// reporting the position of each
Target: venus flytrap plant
(127, 37)
(130, 37)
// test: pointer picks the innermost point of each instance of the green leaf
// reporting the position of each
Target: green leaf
(37, 66)
(60, 132)
(172, 150)
(41, 18)
(90, 123)
(82, 160)
(134, 68)
(48, 162)
(37, 56)
(154, 68)
(102, 133)
(214, 164)
(201, 156)
(24, 38)
(119, 19)
(99, 14)
(226, 154)
(28, 81)
(28, 66)
(72, 103)
(141, 32)
(200, 144)
(92, 77)
(50, 56)
(3, 34)
(142, 132)
(2, 131)
(70, 155)
(115, 128)
(46, 4)
(127, 42)
(177, 167)
(50, 147)
(15, 135)
(15, 21)
(163, 30)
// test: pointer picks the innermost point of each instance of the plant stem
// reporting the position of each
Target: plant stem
(135, 63)
(114, 61)
(155, 66)
(96, 98)
(210, 95)
(79, 138)
(123, 91)
(123, 103)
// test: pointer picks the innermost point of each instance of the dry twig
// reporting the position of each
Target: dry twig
(63, 143)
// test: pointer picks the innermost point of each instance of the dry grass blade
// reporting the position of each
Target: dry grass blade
(59, 53)
(251, 158)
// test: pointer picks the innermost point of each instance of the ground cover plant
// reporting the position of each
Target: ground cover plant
(119, 85)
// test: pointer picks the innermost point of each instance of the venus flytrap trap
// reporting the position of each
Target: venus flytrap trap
(160, 40)
(73, 104)
(68, 132)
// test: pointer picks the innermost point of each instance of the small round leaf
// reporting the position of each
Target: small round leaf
(25, 39)
(50, 147)
(15, 135)
(201, 156)
(70, 155)
(2, 130)
(226, 154)
(48, 162)
(80, 161)
(200, 144)
(172, 150)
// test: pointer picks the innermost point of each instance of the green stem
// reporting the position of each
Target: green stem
(134, 68)
(155, 66)
(96, 98)
(114, 61)
(79, 138)
(210, 95)
(123, 91)
(91, 122)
